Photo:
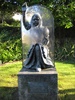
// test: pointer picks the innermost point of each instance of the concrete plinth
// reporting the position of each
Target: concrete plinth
(38, 85)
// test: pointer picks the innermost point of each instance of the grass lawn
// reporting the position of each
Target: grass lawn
(66, 80)
(9, 84)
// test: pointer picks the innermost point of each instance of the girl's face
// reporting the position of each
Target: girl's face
(35, 20)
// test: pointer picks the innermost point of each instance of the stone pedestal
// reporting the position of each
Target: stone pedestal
(38, 85)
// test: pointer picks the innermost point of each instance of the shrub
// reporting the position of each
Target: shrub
(10, 46)
(65, 51)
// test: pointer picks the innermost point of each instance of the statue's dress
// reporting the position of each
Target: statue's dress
(38, 56)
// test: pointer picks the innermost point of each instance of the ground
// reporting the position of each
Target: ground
(9, 80)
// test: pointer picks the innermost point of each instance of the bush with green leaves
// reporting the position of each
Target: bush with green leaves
(65, 51)
(10, 46)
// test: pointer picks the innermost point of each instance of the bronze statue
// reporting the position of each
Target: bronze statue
(38, 56)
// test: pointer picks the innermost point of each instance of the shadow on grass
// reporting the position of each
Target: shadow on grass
(67, 94)
(67, 62)
(9, 93)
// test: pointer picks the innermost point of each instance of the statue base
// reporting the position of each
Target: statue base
(38, 85)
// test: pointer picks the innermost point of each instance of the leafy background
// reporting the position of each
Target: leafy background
(11, 46)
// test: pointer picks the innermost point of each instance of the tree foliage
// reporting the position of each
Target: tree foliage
(63, 10)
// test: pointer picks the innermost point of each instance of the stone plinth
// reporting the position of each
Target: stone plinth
(38, 85)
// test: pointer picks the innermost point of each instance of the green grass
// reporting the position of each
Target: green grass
(66, 80)
(9, 80)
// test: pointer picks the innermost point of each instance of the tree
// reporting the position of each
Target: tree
(63, 10)
(6, 10)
